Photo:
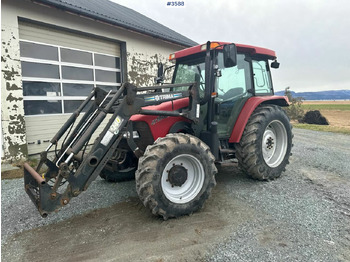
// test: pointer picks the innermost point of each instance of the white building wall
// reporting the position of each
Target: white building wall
(12, 111)
(143, 54)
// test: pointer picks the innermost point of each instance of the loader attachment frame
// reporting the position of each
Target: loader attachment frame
(72, 170)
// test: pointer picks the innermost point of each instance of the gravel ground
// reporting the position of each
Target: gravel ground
(18, 213)
(295, 222)
(303, 216)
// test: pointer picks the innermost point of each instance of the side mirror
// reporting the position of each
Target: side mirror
(275, 64)
(159, 79)
(230, 55)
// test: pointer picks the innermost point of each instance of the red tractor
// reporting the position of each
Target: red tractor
(219, 107)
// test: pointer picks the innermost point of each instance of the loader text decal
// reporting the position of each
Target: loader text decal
(157, 120)
(113, 130)
(162, 97)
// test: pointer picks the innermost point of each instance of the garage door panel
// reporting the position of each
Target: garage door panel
(48, 99)
(40, 132)
(38, 33)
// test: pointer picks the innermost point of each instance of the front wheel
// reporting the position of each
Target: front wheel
(266, 143)
(175, 175)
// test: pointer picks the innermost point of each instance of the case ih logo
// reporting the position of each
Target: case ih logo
(163, 97)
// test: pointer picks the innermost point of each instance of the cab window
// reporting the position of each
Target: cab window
(262, 78)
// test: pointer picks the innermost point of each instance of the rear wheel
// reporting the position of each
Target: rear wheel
(266, 143)
(120, 168)
(175, 175)
(118, 176)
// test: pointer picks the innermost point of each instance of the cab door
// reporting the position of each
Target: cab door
(232, 87)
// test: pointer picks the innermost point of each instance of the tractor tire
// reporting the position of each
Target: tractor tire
(175, 175)
(118, 176)
(266, 143)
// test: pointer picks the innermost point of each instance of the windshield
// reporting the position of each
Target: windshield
(190, 71)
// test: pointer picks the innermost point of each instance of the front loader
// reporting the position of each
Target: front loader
(219, 107)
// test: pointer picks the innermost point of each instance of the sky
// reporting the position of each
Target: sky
(311, 37)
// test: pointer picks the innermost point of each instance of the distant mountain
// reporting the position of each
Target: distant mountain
(321, 95)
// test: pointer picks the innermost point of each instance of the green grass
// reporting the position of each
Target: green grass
(342, 107)
(334, 129)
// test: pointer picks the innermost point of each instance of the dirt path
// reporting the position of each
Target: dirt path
(303, 216)
(128, 232)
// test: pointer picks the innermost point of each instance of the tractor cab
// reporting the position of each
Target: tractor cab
(235, 74)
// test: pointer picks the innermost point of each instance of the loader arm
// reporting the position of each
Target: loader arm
(72, 171)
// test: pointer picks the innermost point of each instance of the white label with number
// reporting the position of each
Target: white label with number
(113, 130)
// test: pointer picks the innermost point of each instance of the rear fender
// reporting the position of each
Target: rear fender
(248, 109)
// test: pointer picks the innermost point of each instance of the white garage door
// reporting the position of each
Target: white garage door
(59, 69)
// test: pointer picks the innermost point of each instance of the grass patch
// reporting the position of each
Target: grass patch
(341, 107)
(12, 174)
(19, 173)
(334, 129)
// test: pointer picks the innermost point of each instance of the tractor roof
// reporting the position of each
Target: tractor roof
(253, 50)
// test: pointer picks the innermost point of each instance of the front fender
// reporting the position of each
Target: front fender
(181, 127)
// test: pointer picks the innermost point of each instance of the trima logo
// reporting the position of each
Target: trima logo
(162, 97)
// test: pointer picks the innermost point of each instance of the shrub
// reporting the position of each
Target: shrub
(294, 111)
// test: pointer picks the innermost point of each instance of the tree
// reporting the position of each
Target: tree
(294, 111)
